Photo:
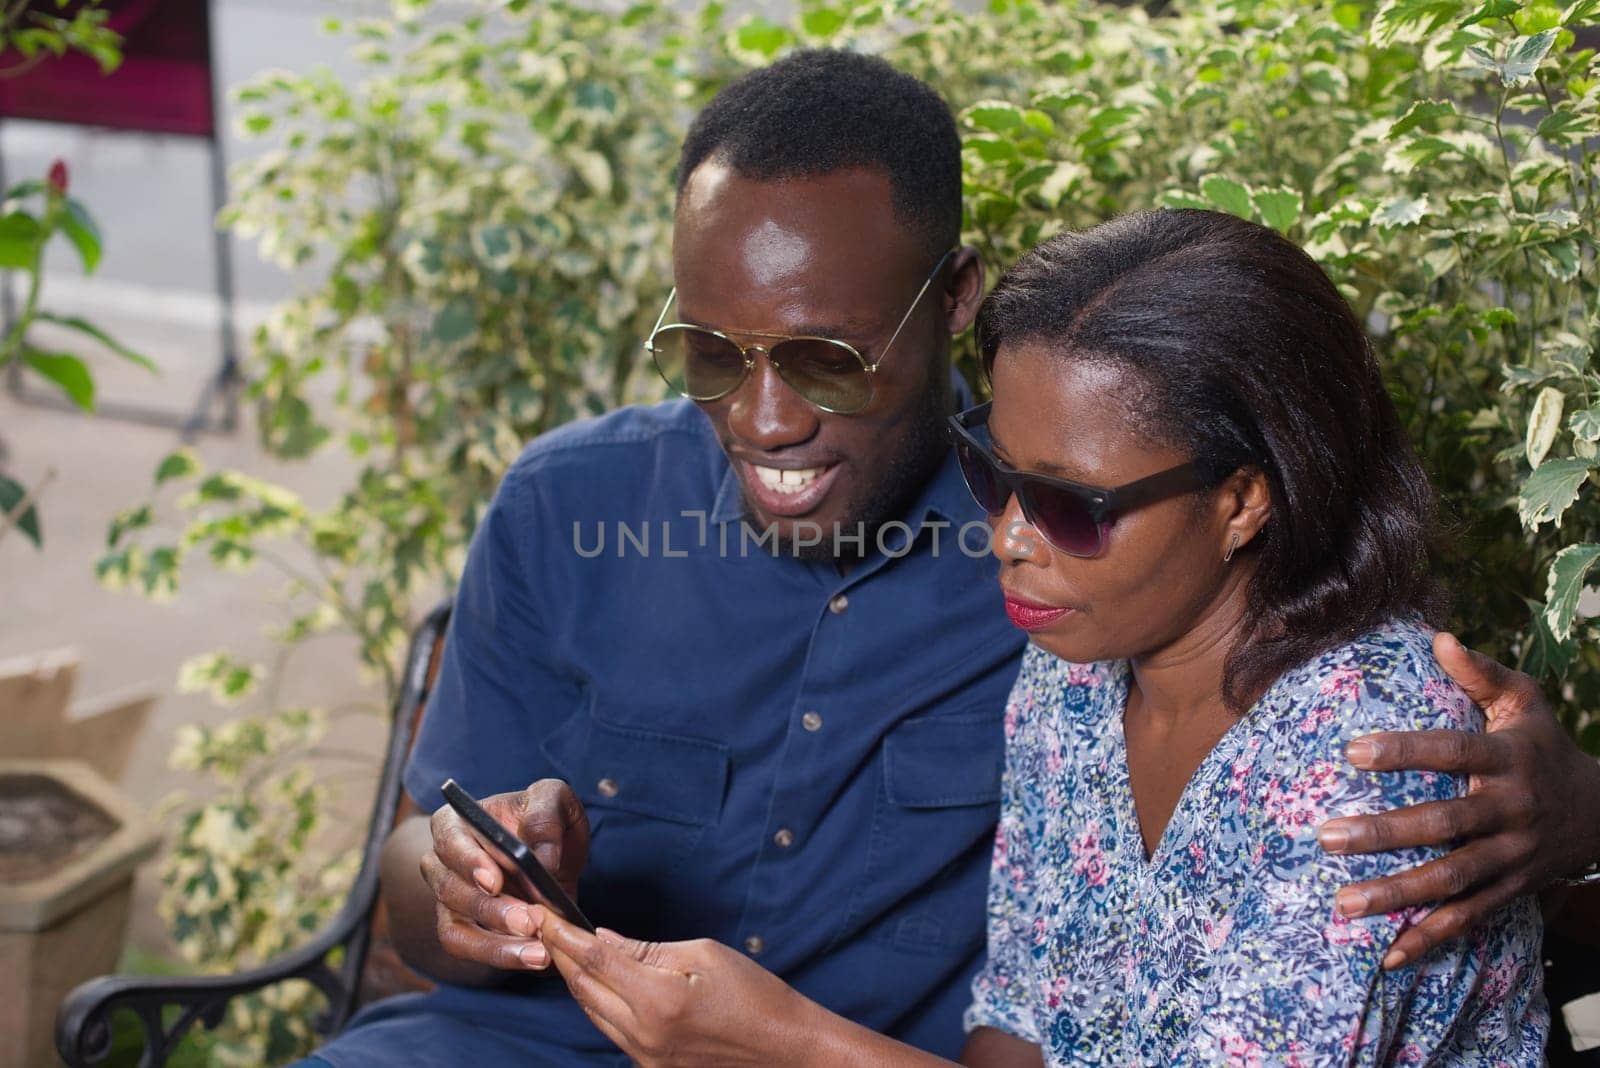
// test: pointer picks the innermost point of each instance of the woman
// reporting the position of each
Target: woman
(1246, 594)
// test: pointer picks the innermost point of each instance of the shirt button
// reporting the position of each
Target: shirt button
(607, 787)
(811, 721)
(754, 945)
(784, 838)
(839, 604)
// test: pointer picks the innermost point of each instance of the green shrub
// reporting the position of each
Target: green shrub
(488, 218)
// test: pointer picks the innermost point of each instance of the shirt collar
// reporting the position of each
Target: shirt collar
(945, 496)
(729, 505)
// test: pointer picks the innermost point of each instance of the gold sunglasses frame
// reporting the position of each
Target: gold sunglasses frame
(745, 351)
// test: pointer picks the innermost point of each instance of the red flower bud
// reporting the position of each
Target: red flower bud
(57, 178)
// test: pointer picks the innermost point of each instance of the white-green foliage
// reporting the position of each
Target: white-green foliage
(239, 887)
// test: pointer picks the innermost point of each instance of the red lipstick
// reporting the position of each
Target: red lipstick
(1030, 616)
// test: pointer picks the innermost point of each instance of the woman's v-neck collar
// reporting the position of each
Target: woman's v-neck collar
(1114, 706)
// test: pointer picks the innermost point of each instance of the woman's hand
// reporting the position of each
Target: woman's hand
(1528, 816)
(701, 1004)
(696, 1004)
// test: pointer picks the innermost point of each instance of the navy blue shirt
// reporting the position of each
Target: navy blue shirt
(802, 765)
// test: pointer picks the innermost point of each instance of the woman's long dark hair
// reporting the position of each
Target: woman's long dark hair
(1244, 354)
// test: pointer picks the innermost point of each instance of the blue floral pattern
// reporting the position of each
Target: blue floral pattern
(1224, 946)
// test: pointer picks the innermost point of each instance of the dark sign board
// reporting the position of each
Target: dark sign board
(163, 85)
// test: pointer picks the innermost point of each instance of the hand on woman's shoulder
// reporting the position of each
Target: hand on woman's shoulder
(1385, 680)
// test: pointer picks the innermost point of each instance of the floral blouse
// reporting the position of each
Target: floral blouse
(1224, 946)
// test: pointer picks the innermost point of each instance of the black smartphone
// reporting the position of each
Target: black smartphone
(537, 884)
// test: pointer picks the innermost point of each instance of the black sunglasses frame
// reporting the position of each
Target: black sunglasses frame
(1102, 504)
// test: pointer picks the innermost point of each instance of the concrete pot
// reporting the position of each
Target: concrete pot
(39, 718)
(64, 924)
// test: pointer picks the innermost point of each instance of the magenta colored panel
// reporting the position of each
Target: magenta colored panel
(163, 86)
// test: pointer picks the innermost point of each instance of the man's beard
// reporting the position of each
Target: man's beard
(904, 476)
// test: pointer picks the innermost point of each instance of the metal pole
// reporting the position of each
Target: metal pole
(225, 387)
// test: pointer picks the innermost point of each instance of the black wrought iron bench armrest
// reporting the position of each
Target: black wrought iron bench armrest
(83, 1022)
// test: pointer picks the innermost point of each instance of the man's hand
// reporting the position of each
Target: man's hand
(1529, 814)
(476, 920)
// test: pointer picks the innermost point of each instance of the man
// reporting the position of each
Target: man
(753, 646)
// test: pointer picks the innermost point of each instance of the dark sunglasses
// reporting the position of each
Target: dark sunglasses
(1074, 518)
(706, 365)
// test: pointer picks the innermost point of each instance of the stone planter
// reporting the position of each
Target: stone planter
(69, 844)
(39, 718)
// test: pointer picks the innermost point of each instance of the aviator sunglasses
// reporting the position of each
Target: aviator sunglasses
(706, 365)
(1074, 518)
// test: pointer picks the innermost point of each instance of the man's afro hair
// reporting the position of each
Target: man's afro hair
(820, 111)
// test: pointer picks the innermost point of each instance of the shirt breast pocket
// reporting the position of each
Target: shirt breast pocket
(933, 832)
(945, 761)
(651, 797)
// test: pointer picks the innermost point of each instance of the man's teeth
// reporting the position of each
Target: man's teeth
(787, 481)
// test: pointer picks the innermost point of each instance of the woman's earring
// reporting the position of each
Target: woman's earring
(1232, 545)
